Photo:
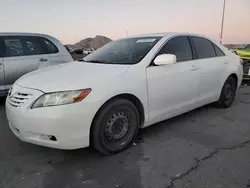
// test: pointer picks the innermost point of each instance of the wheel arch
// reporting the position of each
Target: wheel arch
(235, 77)
(130, 97)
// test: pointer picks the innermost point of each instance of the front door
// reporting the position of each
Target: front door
(22, 55)
(173, 87)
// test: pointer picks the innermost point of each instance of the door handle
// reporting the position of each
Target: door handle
(43, 60)
(225, 62)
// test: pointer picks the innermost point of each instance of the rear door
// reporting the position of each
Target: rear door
(58, 54)
(2, 82)
(23, 54)
(212, 63)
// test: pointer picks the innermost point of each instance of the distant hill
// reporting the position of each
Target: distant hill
(233, 46)
(95, 43)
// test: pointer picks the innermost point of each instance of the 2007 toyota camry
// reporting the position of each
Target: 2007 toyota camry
(128, 84)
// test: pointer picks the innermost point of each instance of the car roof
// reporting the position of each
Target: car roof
(167, 34)
(22, 34)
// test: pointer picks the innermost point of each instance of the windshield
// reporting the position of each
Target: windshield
(124, 51)
(247, 47)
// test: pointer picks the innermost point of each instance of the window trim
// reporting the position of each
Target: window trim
(39, 38)
(166, 41)
(196, 56)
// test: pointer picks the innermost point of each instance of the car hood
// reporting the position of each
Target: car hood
(70, 76)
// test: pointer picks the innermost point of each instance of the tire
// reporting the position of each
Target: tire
(228, 91)
(115, 126)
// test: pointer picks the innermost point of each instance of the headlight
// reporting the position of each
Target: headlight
(60, 98)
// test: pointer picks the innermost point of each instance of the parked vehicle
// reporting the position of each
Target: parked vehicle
(68, 49)
(128, 84)
(21, 53)
(77, 51)
(87, 51)
(244, 53)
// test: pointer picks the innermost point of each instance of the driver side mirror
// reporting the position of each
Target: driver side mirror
(165, 59)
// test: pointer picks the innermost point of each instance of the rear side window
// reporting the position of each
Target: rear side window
(203, 47)
(32, 46)
(179, 46)
(48, 46)
(13, 47)
(218, 51)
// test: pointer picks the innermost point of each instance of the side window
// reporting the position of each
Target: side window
(179, 46)
(13, 47)
(1, 47)
(218, 51)
(203, 47)
(32, 46)
(48, 46)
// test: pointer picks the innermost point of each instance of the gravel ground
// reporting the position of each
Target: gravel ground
(207, 147)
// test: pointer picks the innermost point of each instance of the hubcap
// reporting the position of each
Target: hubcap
(117, 126)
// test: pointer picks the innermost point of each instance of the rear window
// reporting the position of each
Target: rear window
(48, 46)
(203, 47)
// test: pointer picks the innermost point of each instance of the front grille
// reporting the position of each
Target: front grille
(18, 99)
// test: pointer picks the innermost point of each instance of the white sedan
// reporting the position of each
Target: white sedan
(104, 99)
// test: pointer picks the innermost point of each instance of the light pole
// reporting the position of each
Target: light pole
(126, 32)
(222, 23)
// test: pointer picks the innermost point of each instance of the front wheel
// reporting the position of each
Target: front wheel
(115, 126)
(228, 93)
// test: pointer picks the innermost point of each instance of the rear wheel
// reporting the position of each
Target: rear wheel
(228, 93)
(115, 126)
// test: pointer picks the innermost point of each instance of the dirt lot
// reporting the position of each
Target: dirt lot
(207, 147)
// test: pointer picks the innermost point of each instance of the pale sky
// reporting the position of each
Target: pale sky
(73, 20)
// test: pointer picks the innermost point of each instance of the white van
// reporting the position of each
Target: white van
(21, 53)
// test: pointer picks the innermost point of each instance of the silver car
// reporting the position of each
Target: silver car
(21, 53)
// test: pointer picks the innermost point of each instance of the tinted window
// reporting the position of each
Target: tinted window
(32, 46)
(49, 47)
(218, 51)
(13, 47)
(204, 48)
(179, 46)
(1, 47)
(124, 51)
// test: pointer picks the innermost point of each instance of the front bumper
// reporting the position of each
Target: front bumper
(62, 127)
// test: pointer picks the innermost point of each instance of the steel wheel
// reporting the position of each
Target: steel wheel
(115, 126)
